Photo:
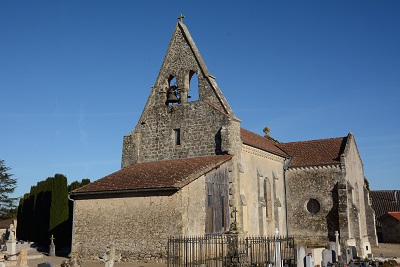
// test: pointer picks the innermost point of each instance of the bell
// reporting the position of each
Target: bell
(172, 97)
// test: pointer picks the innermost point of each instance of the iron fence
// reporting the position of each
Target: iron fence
(230, 250)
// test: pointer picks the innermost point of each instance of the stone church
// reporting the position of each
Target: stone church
(188, 164)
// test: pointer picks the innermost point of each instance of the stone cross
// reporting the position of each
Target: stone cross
(52, 248)
(337, 243)
(110, 256)
(233, 226)
(181, 17)
(234, 211)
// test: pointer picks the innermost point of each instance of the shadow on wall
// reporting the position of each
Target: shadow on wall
(332, 218)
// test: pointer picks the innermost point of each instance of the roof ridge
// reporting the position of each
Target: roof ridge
(313, 140)
(261, 142)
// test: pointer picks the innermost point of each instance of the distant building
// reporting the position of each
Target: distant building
(390, 227)
(384, 201)
(188, 164)
(4, 227)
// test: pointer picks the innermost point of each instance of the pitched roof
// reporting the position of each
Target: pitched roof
(395, 214)
(5, 224)
(260, 142)
(170, 174)
(315, 152)
(384, 201)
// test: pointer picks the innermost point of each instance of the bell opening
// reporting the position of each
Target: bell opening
(173, 96)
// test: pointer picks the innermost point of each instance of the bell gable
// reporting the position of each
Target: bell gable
(177, 123)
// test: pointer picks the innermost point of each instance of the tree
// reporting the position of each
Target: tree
(7, 187)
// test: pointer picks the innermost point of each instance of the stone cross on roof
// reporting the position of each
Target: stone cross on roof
(181, 17)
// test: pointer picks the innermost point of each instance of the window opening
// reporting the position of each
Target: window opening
(267, 198)
(223, 210)
(313, 206)
(210, 215)
(177, 136)
(193, 86)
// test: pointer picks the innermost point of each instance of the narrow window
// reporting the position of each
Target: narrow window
(177, 136)
(223, 219)
(210, 215)
(268, 198)
(193, 86)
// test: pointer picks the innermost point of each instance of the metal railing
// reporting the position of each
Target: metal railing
(230, 250)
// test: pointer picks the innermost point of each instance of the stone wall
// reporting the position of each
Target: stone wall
(390, 230)
(319, 183)
(262, 192)
(370, 217)
(199, 125)
(139, 225)
(361, 229)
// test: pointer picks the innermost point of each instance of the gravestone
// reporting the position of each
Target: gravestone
(332, 247)
(326, 257)
(354, 251)
(11, 244)
(317, 255)
(110, 256)
(52, 248)
(309, 261)
(2, 264)
(351, 253)
(22, 260)
(301, 256)
(277, 250)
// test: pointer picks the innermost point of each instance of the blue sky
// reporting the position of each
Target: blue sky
(75, 76)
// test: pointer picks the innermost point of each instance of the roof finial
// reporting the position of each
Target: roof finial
(181, 17)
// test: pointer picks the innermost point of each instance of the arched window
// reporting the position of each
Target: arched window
(193, 86)
(268, 198)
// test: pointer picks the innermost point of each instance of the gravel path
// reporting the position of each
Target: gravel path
(56, 262)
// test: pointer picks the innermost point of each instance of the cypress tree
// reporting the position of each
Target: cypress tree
(59, 209)
(20, 219)
(46, 210)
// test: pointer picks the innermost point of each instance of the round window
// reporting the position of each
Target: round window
(313, 206)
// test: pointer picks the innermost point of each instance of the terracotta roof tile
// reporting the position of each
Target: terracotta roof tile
(155, 175)
(5, 224)
(314, 152)
(259, 141)
(395, 215)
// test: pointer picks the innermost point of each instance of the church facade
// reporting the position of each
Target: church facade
(188, 164)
